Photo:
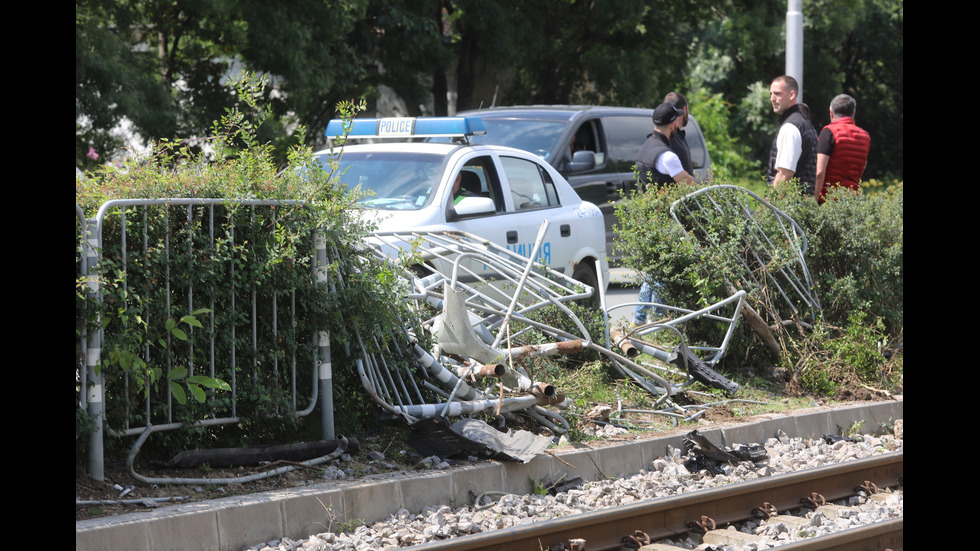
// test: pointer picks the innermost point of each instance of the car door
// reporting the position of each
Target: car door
(590, 180)
(492, 225)
(533, 198)
(525, 194)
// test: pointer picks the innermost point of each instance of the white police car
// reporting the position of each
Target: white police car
(498, 193)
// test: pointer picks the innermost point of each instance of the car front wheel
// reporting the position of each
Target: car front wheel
(585, 272)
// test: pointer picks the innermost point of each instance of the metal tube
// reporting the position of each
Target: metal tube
(325, 371)
(92, 384)
(235, 480)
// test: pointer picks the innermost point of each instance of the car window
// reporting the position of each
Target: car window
(478, 179)
(538, 137)
(391, 181)
(625, 136)
(531, 186)
(587, 138)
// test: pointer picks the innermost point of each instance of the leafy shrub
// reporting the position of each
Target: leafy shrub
(729, 157)
(857, 254)
(855, 258)
(164, 262)
(830, 359)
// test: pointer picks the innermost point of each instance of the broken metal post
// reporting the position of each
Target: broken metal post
(482, 370)
(620, 340)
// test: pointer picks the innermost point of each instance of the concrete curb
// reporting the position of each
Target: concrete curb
(234, 523)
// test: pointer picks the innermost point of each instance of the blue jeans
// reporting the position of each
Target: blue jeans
(649, 292)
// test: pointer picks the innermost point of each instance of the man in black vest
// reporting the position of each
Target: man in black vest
(794, 150)
(678, 142)
(657, 163)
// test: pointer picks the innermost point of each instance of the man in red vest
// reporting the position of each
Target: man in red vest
(842, 149)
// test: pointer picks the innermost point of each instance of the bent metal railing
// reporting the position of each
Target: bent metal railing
(474, 293)
(469, 295)
(478, 304)
(770, 263)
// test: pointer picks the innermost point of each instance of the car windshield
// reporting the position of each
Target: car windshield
(391, 181)
(536, 136)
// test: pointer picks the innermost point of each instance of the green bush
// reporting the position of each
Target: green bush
(831, 360)
(855, 258)
(729, 157)
(178, 259)
(857, 254)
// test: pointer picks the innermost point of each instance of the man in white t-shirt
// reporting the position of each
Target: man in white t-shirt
(793, 153)
(657, 163)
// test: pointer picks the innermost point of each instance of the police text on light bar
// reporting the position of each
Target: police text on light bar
(409, 127)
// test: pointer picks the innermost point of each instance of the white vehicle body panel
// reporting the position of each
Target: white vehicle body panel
(575, 232)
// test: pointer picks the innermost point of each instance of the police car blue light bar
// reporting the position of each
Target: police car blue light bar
(409, 127)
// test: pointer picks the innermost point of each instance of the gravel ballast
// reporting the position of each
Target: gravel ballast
(665, 476)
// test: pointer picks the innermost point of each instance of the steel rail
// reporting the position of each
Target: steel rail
(669, 517)
(872, 537)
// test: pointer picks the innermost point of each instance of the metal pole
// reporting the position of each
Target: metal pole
(323, 348)
(94, 394)
(794, 42)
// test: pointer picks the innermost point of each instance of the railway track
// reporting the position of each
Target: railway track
(719, 507)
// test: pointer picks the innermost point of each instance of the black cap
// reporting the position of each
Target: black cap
(665, 114)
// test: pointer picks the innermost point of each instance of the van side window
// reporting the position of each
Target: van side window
(531, 186)
(696, 142)
(625, 136)
(588, 138)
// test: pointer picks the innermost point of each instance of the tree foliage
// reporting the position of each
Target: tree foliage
(571, 51)
(161, 64)
(854, 48)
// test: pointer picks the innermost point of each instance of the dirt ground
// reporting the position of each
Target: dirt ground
(105, 498)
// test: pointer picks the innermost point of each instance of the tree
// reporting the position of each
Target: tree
(113, 79)
(623, 52)
(854, 47)
(160, 64)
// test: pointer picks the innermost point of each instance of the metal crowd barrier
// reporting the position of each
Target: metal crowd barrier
(475, 304)
(256, 341)
(773, 267)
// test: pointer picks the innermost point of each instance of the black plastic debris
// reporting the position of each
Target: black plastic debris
(699, 463)
(561, 485)
(833, 438)
(701, 372)
(433, 436)
(707, 456)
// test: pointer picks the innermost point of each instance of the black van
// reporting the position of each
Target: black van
(594, 148)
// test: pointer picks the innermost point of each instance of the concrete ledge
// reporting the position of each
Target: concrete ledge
(230, 524)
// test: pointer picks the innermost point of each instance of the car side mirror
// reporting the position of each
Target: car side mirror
(581, 161)
(472, 206)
